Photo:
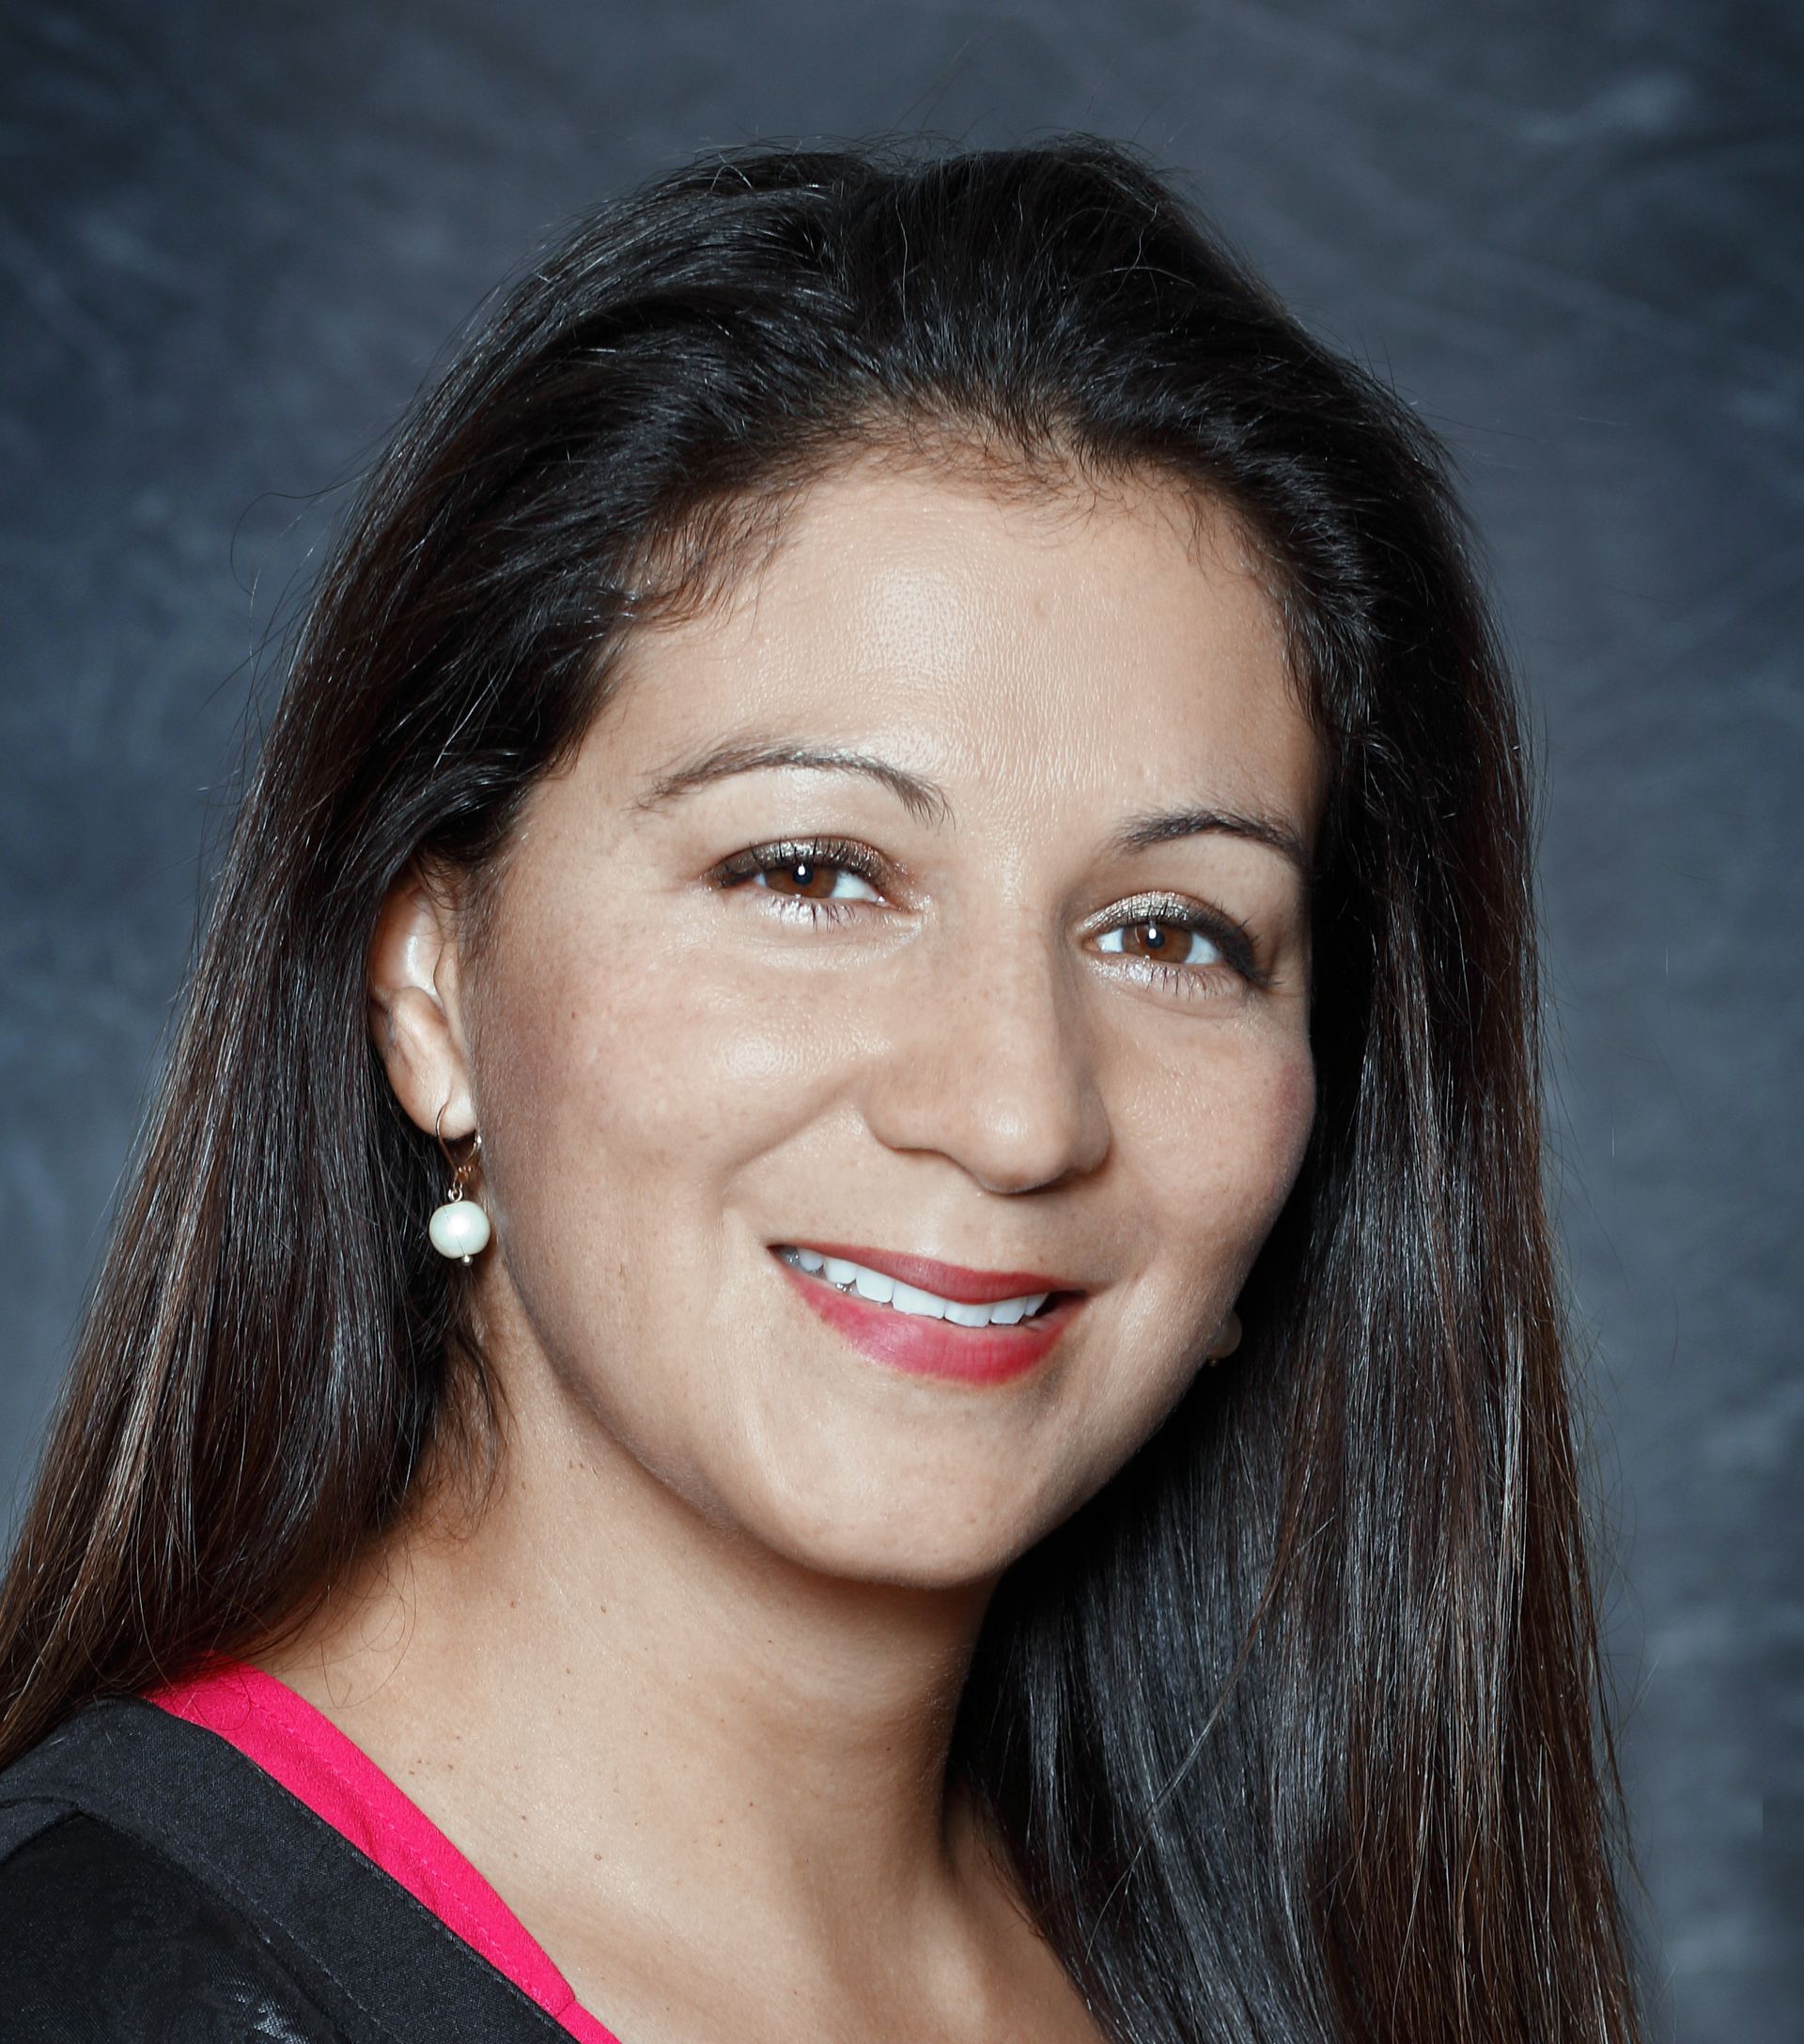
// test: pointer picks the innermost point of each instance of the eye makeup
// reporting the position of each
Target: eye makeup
(816, 852)
(1232, 941)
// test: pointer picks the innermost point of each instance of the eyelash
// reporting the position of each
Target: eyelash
(1232, 938)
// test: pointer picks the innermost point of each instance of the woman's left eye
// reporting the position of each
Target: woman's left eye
(1163, 940)
(1180, 944)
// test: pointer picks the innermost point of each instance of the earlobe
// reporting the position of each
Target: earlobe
(415, 1015)
(1226, 1340)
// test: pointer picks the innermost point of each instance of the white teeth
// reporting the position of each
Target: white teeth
(901, 1298)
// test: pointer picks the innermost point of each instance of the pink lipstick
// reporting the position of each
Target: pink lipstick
(948, 1280)
(938, 1348)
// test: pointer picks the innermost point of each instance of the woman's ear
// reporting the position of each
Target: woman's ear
(415, 1013)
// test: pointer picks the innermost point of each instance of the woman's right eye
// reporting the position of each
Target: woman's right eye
(812, 879)
(816, 878)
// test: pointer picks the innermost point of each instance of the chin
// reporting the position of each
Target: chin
(947, 1548)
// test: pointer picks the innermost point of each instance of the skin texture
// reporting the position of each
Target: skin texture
(682, 1689)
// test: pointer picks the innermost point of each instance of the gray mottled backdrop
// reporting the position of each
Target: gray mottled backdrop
(233, 238)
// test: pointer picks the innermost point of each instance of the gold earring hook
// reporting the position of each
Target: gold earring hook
(459, 1172)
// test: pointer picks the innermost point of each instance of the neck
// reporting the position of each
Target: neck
(628, 1715)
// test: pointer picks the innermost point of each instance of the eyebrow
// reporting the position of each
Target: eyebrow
(1159, 827)
(928, 803)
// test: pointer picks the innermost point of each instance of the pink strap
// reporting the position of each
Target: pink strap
(312, 1759)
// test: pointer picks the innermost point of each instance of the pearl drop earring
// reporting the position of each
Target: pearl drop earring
(459, 1228)
(1226, 1340)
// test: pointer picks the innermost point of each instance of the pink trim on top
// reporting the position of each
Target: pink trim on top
(312, 1759)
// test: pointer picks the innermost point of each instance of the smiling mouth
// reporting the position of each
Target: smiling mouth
(878, 1288)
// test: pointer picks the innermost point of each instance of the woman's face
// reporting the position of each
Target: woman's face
(1013, 977)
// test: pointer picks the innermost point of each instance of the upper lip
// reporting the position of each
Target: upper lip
(954, 1281)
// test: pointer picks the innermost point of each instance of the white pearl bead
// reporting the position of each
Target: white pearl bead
(458, 1228)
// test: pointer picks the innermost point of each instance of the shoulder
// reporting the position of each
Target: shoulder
(103, 1937)
(156, 1884)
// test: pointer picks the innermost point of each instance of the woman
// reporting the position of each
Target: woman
(837, 1319)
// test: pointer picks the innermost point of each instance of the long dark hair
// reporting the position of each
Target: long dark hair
(1295, 1730)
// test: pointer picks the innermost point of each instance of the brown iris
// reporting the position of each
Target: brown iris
(1156, 934)
(806, 872)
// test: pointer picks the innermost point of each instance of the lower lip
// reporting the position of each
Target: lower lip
(935, 1348)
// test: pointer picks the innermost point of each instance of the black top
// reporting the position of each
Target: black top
(157, 1887)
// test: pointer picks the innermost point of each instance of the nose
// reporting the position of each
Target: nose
(989, 1065)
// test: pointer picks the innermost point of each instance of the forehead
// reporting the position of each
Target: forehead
(1072, 634)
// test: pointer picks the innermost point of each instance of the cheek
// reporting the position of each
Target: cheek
(659, 1069)
(624, 1101)
(1292, 1106)
(1216, 1141)
(1227, 1158)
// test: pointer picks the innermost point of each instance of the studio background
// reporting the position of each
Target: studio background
(233, 240)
